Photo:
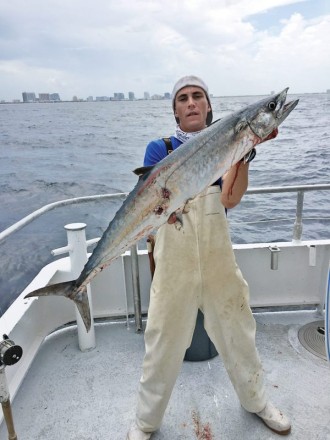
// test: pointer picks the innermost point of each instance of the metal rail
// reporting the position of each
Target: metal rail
(297, 231)
(299, 189)
(39, 212)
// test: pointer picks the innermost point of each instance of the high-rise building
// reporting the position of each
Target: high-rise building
(119, 96)
(29, 97)
(44, 97)
(146, 95)
(54, 97)
(131, 96)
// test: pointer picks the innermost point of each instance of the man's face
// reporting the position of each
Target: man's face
(191, 107)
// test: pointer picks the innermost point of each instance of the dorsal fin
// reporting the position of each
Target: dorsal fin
(142, 170)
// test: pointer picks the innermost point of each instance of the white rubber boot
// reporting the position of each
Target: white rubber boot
(275, 419)
(135, 433)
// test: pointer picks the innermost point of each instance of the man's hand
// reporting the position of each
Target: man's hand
(272, 135)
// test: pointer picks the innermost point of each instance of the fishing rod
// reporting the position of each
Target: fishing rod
(10, 354)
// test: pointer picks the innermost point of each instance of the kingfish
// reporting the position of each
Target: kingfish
(164, 189)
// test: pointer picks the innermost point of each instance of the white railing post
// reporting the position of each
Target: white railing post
(298, 226)
(136, 288)
(77, 247)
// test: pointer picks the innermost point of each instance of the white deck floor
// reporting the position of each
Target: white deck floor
(72, 395)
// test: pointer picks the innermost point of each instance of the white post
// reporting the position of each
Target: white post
(78, 256)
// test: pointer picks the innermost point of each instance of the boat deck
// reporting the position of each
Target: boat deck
(72, 395)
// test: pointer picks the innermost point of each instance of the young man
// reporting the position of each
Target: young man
(195, 268)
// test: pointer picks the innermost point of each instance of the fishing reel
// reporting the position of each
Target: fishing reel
(10, 353)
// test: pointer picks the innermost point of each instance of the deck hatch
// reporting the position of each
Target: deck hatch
(311, 337)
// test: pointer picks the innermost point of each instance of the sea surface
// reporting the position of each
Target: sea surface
(50, 152)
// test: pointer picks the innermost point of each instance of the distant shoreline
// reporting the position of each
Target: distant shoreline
(80, 101)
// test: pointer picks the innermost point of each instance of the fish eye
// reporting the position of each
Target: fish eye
(272, 105)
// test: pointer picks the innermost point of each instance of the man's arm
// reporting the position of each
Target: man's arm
(235, 181)
(234, 185)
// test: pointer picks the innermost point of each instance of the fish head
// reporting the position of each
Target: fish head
(266, 115)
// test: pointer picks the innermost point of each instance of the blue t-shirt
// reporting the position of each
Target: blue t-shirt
(156, 151)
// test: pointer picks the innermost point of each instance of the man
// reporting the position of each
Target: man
(195, 268)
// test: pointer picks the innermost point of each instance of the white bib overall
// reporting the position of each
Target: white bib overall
(196, 269)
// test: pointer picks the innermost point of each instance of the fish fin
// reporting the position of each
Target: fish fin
(83, 307)
(142, 170)
(176, 219)
(172, 218)
(179, 221)
(59, 289)
(70, 291)
(186, 207)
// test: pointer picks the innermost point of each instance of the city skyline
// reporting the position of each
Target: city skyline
(104, 98)
(30, 97)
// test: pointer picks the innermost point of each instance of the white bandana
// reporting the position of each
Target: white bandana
(183, 136)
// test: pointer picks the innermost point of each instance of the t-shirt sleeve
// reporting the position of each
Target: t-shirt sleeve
(155, 152)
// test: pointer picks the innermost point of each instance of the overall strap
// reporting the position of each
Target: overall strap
(168, 144)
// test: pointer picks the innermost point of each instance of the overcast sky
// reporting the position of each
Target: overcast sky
(99, 47)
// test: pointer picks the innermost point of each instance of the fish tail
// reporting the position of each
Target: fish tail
(69, 290)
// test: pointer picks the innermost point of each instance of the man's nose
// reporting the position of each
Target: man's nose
(191, 101)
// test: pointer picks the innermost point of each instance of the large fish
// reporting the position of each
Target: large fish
(165, 188)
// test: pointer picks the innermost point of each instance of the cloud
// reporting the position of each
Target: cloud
(100, 47)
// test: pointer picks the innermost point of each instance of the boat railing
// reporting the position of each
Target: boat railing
(51, 206)
(86, 341)
(300, 190)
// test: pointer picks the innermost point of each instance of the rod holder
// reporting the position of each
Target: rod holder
(312, 255)
(274, 251)
(78, 257)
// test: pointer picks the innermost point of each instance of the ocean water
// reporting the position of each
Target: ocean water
(51, 152)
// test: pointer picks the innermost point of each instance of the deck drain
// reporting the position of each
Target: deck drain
(312, 337)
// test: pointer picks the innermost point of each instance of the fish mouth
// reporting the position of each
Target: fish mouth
(282, 109)
(285, 108)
